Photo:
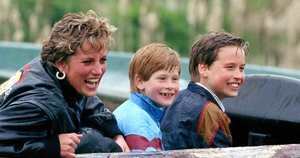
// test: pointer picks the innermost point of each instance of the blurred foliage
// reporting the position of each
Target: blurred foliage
(254, 52)
(59, 8)
(23, 7)
(175, 28)
(259, 4)
(51, 11)
(131, 20)
(261, 22)
(227, 19)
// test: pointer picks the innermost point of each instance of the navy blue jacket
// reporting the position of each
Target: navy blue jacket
(35, 107)
(195, 120)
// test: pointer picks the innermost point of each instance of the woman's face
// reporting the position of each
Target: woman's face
(85, 69)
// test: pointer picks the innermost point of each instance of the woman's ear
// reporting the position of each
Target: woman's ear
(60, 66)
(139, 83)
(202, 69)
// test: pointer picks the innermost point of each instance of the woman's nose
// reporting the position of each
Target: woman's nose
(99, 69)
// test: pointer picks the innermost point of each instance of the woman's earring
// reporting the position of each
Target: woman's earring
(60, 75)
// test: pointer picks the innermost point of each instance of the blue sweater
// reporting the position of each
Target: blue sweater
(139, 120)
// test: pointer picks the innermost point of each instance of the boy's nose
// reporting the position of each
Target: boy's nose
(172, 84)
(238, 74)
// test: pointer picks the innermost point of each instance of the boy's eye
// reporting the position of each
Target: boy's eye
(161, 78)
(87, 62)
(242, 68)
(230, 67)
(175, 78)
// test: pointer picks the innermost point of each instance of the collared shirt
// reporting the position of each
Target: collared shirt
(220, 104)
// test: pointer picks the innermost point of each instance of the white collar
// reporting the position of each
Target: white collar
(220, 104)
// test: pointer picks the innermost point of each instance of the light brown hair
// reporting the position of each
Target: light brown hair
(149, 59)
(206, 49)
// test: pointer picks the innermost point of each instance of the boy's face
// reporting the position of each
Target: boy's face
(226, 75)
(162, 87)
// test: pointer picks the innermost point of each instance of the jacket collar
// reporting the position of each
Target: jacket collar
(199, 88)
(152, 108)
(70, 94)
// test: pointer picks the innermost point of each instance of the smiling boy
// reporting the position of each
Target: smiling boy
(154, 74)
(197, 118)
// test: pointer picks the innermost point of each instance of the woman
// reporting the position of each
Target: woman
(50, 108)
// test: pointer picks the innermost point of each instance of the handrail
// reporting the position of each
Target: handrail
(268, 151)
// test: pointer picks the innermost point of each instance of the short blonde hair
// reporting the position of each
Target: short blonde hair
(72, 31)
(149, 59)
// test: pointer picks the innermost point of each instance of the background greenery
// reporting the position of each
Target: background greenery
(271, 26)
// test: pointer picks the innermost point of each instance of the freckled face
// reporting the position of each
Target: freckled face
(226, 75)
(85, 69)
(162, 87)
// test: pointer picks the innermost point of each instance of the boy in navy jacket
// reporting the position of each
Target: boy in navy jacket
(197, 118)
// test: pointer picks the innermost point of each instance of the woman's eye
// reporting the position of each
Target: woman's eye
(103, 60)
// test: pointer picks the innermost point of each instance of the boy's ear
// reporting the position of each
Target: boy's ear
(139, 82)
(202, 69)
